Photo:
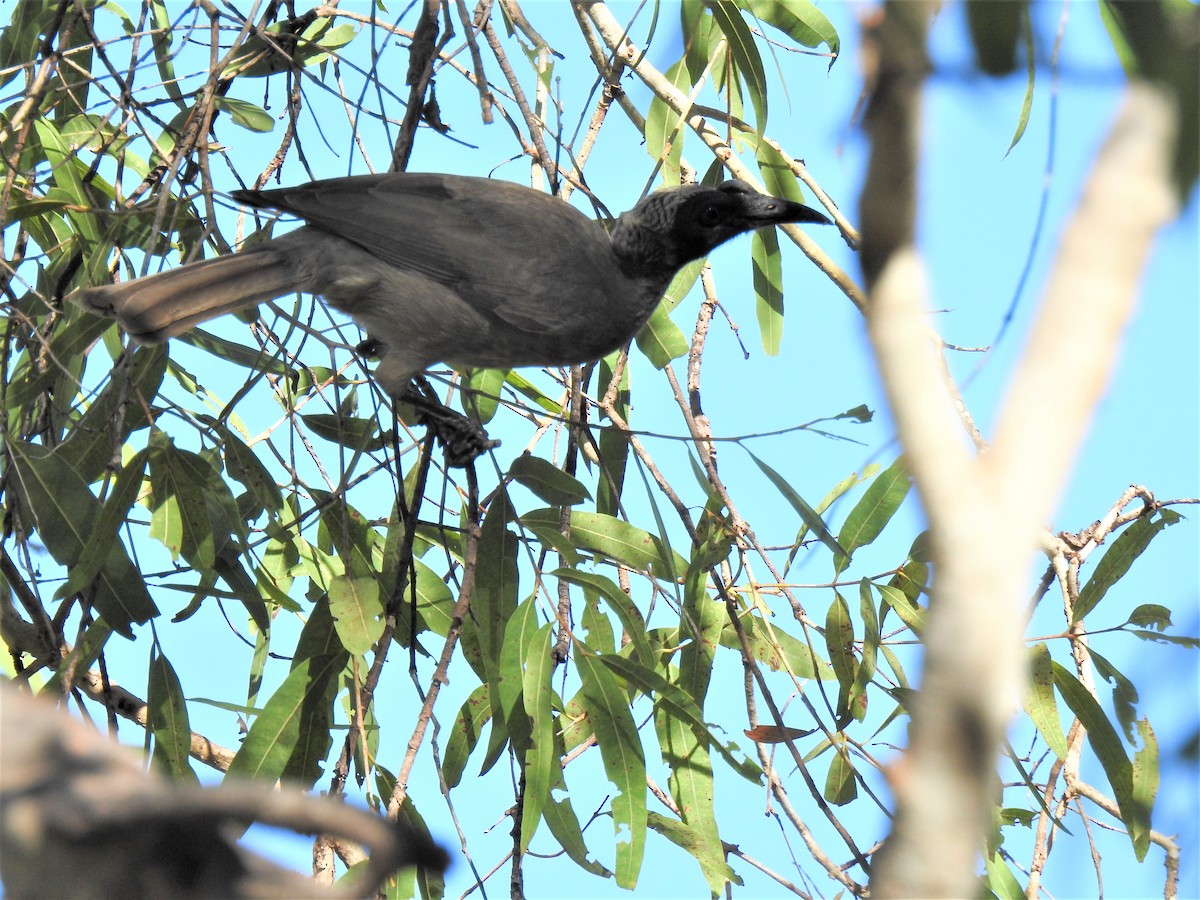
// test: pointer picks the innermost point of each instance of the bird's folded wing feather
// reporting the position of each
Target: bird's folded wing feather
(511, 252)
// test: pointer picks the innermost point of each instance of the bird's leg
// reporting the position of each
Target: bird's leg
(463, 439)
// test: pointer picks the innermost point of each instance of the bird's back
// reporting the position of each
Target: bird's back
(535, 269)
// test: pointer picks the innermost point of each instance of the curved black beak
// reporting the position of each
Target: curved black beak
(761, 210)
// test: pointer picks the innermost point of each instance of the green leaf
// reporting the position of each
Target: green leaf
(305, 766)
(620, 603)
(840, 784)
(1040, 703)
(426, 882)
(350, 534)
(229, 567)
(1000, 879)
(777, 649)
(664, 132)
(89, 446)
(597, 627)
(21, 40)
(160, 35)
(355, 433)
(547, 481)
(611, 719)
(564, 825)
(68, 346)
(247, 115)
(291, 737)
(493, 604)
(242, 465)
(810, 516)
(1178, 639)
(1115, 28)
(778, 177)
(1117, 559)
(86, 652)
(34, 207)
(614, 538)
(610, 477)
(67, 177)
(180, 487)
(912, 579)
(465, 734)
(870, 649)
(768, 288)
(745, 55)
(357, 612)
(850, 481)
(94, 133)
(481, 393)
(700, 36)
(873, 511)
(799, 19)
(1106, 744)
(275, 734)
(1031, 73)
(105, 534)
(702, 620)
(660, 339)
(910, 614)
(678, 703)
(682, 284)
(1150, 615)
(254, 359)
(1012, 815)
(896, 666)
(995, 30)
(1125, 695)
(167, 719)
(528, 389)
(1145, 779)
(260, 56)
(555, 540)
(520, 639)
(66, 513)
(692, 787)
(839, 641)
(692, 839)
(540, 758)
(712, 545)
(166, 521)
(333, 38)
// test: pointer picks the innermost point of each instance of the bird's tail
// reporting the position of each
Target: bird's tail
(157, 307)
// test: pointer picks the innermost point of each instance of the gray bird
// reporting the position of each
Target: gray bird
(472, 272)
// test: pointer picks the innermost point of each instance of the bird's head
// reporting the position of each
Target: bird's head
(674, 226)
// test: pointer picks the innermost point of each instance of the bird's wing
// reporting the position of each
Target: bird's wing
(507, 250)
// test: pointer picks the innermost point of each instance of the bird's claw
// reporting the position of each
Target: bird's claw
(463, 439)
(465, 446)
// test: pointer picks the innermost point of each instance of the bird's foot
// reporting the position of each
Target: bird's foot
(463, 440)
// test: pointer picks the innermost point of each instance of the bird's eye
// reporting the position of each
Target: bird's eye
(709, 216)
